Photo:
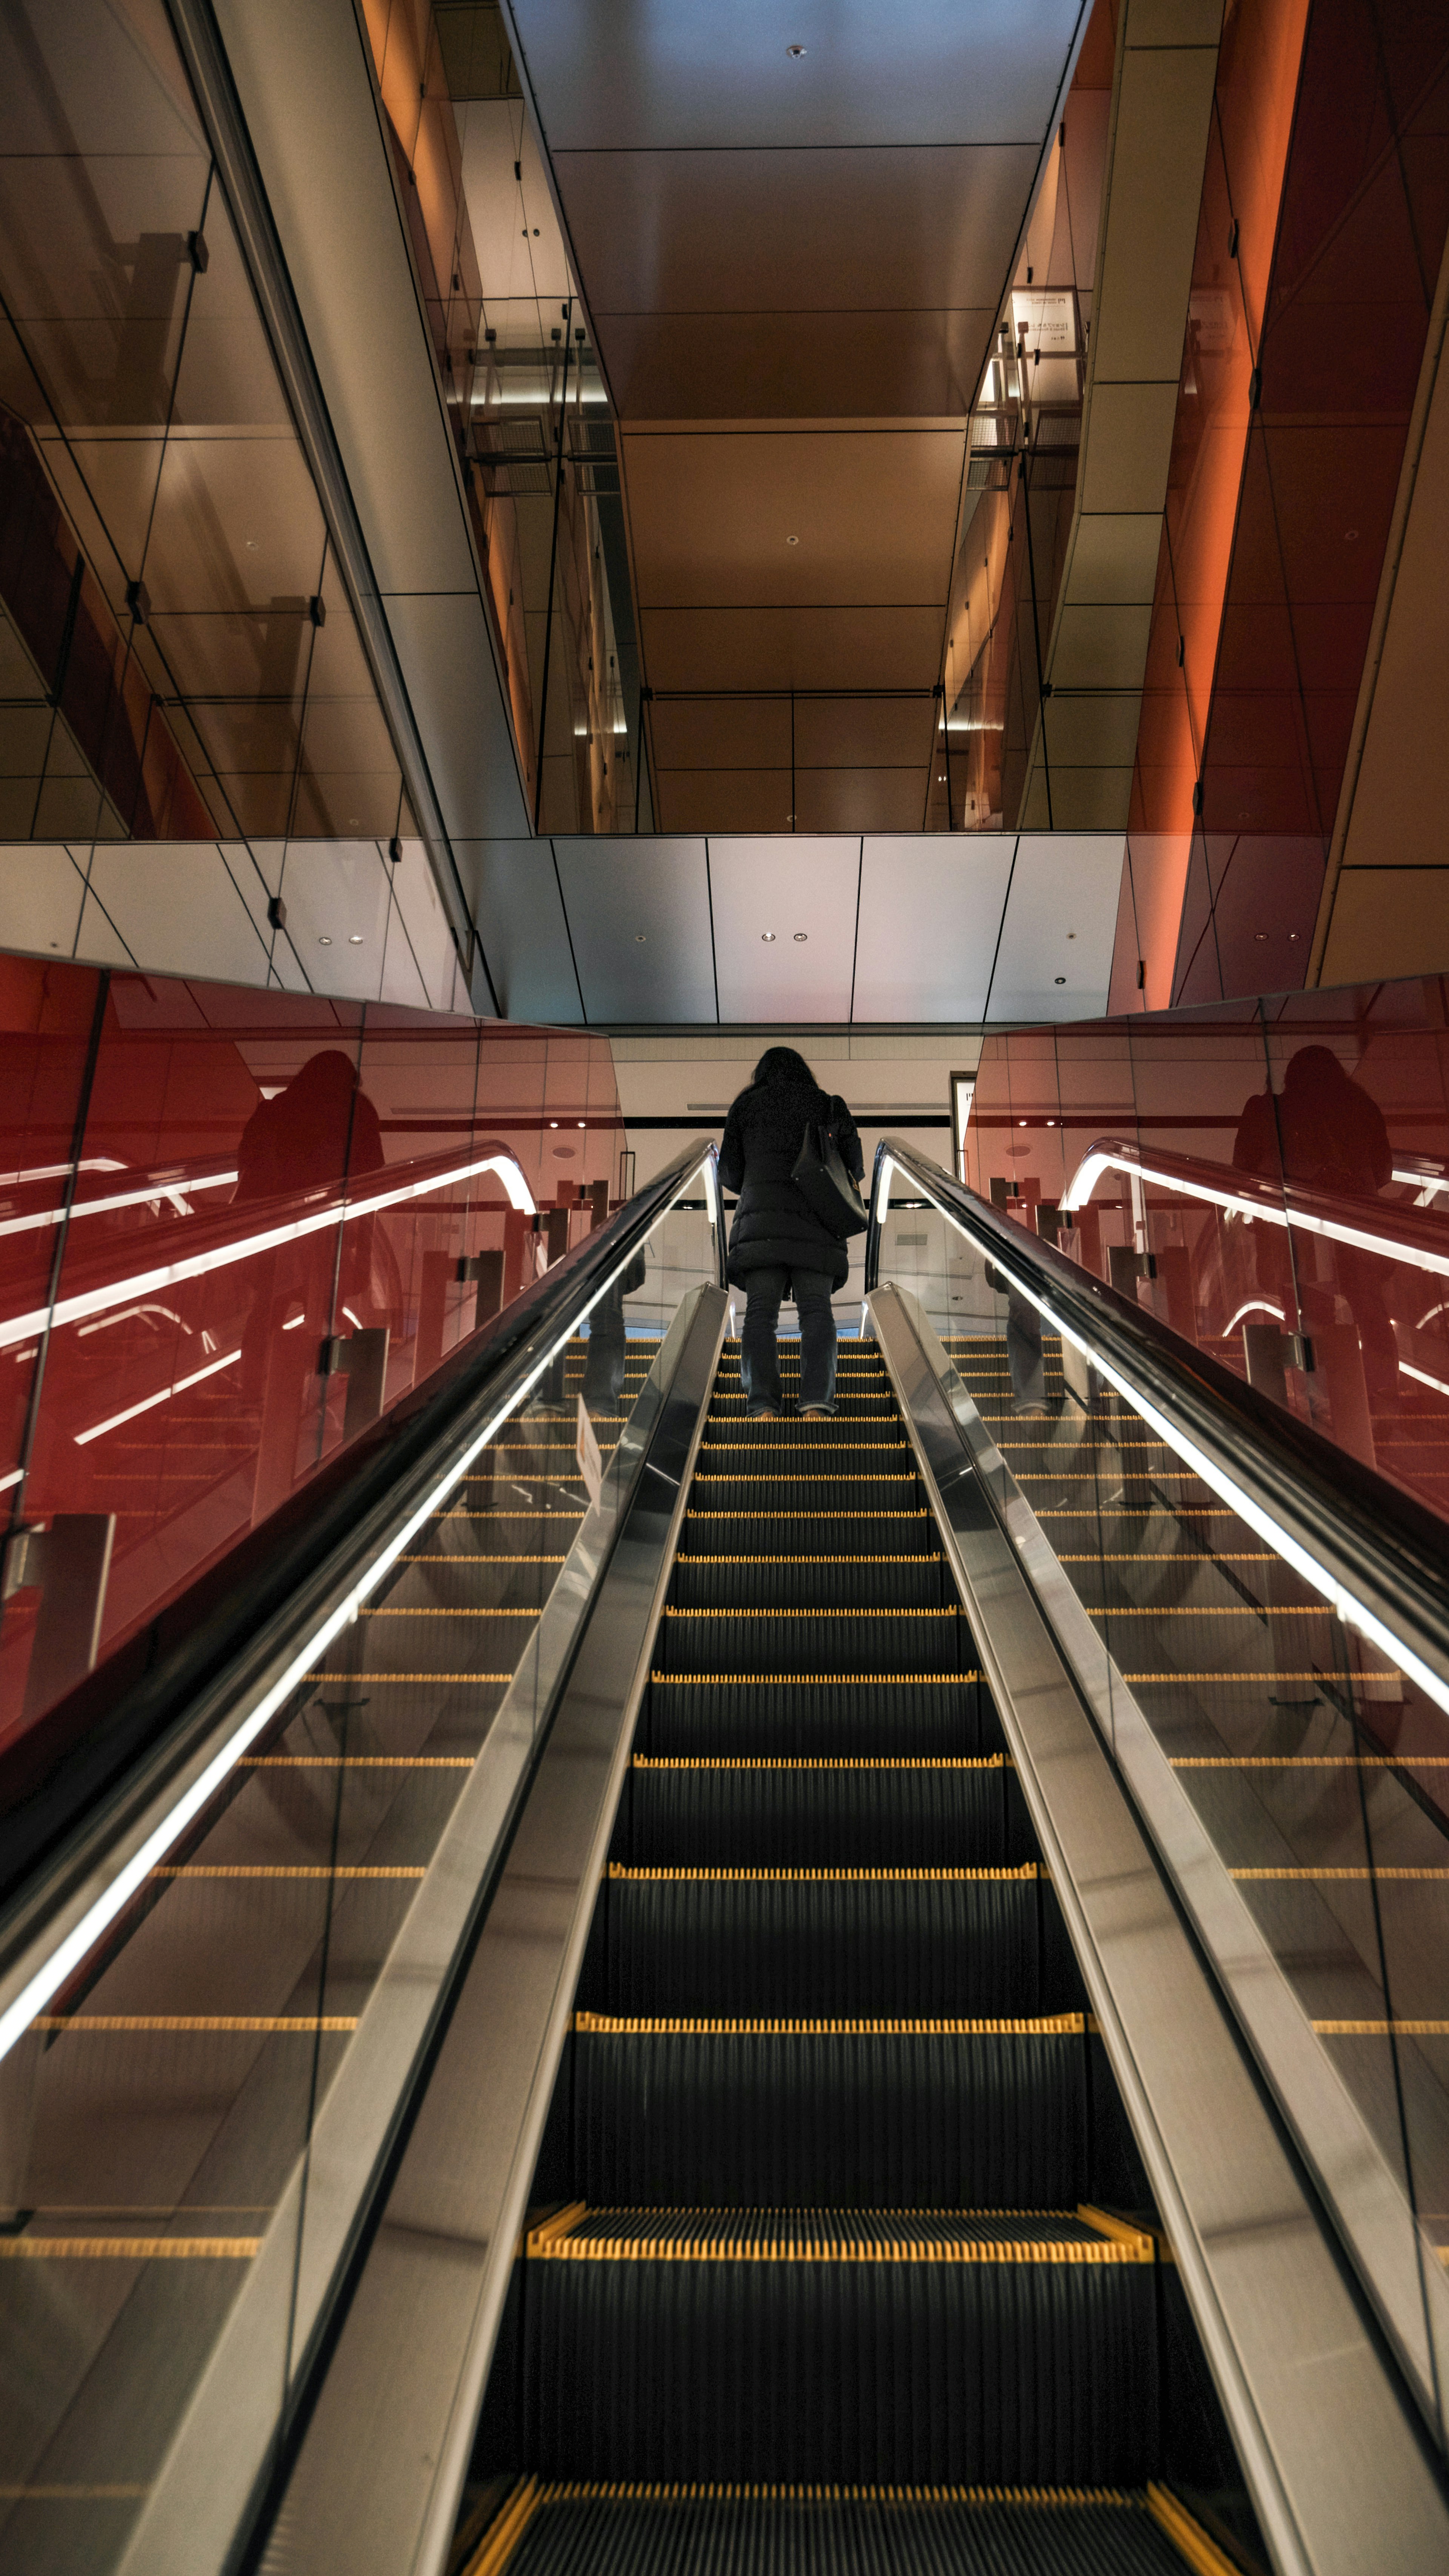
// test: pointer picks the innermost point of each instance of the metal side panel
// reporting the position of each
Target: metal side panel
(1327, 2441)
(376, 2483)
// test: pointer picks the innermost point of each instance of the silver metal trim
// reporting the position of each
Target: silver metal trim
(201, 2502)
(1330, 2451)
(377, 2482)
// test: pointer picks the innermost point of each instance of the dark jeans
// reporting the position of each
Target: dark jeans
(759, 1349)
(607, 1354)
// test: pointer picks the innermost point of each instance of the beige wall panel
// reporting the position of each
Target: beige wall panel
(1100, 648)
(1388, 921)
(720, 733)
(1082, 800)
(1174, 22)
(865, 733)
(1115, 556)
(1094, 732)
(1162, 125)
(1129, 445)
(724, 800)
(866, 800)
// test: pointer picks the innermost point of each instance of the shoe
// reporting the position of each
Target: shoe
(762, 1413)
(814, 1413)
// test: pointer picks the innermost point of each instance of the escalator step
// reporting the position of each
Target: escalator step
(916, 2346)
(882, 2114)
(618, 2529)
(809, 1491)
(839, 1713)
(810, 1582)
(853, 1943)
(899, 1529)
(813, 1641)
(810, 1813)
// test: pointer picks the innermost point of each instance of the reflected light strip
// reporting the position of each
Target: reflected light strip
(1353, 1613)
(175, 1191)
(69, 1952)
(1423, 1378)
(12, 1479)
(163, 1395)
(1253, 1306)
(60, 1171)
(168, 1274)
(1088, 1172)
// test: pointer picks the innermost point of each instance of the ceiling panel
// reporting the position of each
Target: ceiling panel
(720, 733)
(638, 914)
(782, 648)
(794, 366)
(786, 886)
(1061, 916)
(930, 913)
(865, 733)
(631, 73)
(871, 512)
(771, 232)
(879, 800)
(737, 800)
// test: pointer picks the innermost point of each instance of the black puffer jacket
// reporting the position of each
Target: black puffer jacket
(774, 1225)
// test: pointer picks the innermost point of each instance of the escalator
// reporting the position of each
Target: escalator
(825, 1994)
(842, 2272)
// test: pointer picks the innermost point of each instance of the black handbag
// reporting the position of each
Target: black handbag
(822, 1179)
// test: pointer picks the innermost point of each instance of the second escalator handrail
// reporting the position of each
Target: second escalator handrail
(1370, 1549)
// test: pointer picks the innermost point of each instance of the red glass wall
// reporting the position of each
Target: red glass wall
(234, 1228)
(1271, 1178)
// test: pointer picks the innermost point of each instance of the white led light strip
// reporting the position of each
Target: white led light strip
(1354, 1613)
(166, 1274)
(1241, 1203)
(76, 1944)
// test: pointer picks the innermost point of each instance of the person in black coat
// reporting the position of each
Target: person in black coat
(778, 1245)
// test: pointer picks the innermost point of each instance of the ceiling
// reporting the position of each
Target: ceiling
(793, 262)
(923, 928)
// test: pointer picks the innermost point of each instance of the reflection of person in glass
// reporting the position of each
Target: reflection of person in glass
(321, 1129)
(1334, 1142)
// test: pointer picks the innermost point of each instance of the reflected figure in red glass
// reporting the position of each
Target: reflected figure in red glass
(1333, 1142)
(322, 1128)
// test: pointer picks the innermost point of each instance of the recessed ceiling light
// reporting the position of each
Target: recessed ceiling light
(796, 50)
(354, 939)
(1061, 979)
(553, 1122)
(792, 541)
(640, 936)
(582, 1122)
(800, 937)
(767, 935)
(324, 941)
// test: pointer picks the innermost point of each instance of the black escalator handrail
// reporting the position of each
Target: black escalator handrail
(1379, 1555)
(109, 1752)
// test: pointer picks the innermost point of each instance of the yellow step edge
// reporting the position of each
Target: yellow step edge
(1187, 2536)
(1050, 2026)
(619, 1870)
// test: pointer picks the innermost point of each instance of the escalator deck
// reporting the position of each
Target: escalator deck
(831, 2267)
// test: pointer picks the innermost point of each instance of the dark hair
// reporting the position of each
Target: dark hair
(782, 1064)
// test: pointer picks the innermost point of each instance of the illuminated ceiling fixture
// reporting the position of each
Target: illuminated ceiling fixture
(796, 50)
(324, 941)
(800, 938)
(354, 939)
(767, 936)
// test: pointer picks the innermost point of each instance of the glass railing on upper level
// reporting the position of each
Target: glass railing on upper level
(220, 1978)
(1270, 1178)
(1259, 1621)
